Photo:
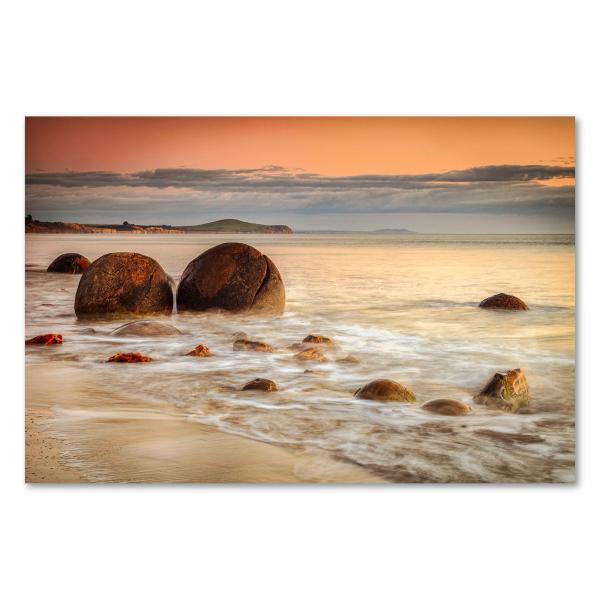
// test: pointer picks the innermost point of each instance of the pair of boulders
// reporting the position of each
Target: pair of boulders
(233, 277)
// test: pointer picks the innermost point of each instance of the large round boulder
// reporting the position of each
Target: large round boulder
(121, 283)
(71, 262)
(233, 277)
(503, 302)
(385, 390)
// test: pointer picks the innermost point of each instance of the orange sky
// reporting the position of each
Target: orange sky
(329, 146)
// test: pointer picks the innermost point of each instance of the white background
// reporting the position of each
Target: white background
(278, 58)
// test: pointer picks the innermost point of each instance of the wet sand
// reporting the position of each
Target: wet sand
(117, 438)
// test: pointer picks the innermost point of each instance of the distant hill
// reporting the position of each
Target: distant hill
(235, 226)
(403, 231)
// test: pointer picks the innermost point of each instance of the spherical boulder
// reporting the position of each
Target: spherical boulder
(261, 385)
(507, 391)
(124, 282)
(233, 277)
(503, 302)
(449, 408)
(70, 262)
(385, 390)
(145, 329)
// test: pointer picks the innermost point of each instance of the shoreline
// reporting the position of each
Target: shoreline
(115, 438)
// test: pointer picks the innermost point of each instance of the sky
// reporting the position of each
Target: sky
(428, 174)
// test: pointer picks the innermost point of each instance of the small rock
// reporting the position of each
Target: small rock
(70, 262)
(450, 408)
(507, 391)
(263, 385)
(88, 331)
(503, 302)
(239, 335)
(199, 350)
(129, 357)
(351, 360)
(249, 345)
(145, 329)
(311, 354)
(317, 339)
(385, 390)
(47, 339)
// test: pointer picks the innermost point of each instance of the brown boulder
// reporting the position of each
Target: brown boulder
(47, 339)
(145, 329)
(129, 357)
(233, 277)
(503, 302)
(317, 339)
(311, 354)
(199, 350)
(70, 262)
(124, 282)
(450, 408)
(385, 390)
(263, 385)
(507, 391)
(251, 346)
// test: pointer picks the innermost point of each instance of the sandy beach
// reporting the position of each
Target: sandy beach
(128, 441)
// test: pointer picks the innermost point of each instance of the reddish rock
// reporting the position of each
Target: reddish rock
(124, 282)
(251, 346)
(199, 350)
(503, 302)
(262, 385)
(450, 408)
(317, 339)
(507, 391)
(47, 339)
(69, 263)
(311, 354)
(129, 357)
(233, 277)
(385, 390)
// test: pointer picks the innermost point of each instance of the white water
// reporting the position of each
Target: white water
(405, 306)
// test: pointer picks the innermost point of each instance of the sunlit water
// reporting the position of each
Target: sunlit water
(404, 306)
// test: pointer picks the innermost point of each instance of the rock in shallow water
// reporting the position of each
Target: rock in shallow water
(450, 408)
(124, 282)
(129, 357)
(503, 302)
(263, 385)
(47, 339)
(317, 339)
(70, 262)
(199, 350)
(311, 354)
(249, 345)
(145, 329)
(385, 390)
(233, 277)
(507, 391)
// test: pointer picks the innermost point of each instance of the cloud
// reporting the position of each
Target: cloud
(174, 195)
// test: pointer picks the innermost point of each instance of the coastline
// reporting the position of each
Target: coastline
(116, 438)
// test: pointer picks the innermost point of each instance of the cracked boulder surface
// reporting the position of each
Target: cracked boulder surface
(507, 391)
(124, 283)
(71, 262)
(233, 277)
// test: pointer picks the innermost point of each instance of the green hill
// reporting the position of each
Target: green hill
(235, 226)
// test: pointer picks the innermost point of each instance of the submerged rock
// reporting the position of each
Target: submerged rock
(263, 385)
(199, 350)
(317, 339)
(450, 408)
(385, 390)
(129, 357)
(240, 335)
(124, 282)
(311, 354)
(503, 302)
(233, 277)
(145, 329)
(507, 391)
(70, 262)
(47, 339)
(251, 346)
(349, 359)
